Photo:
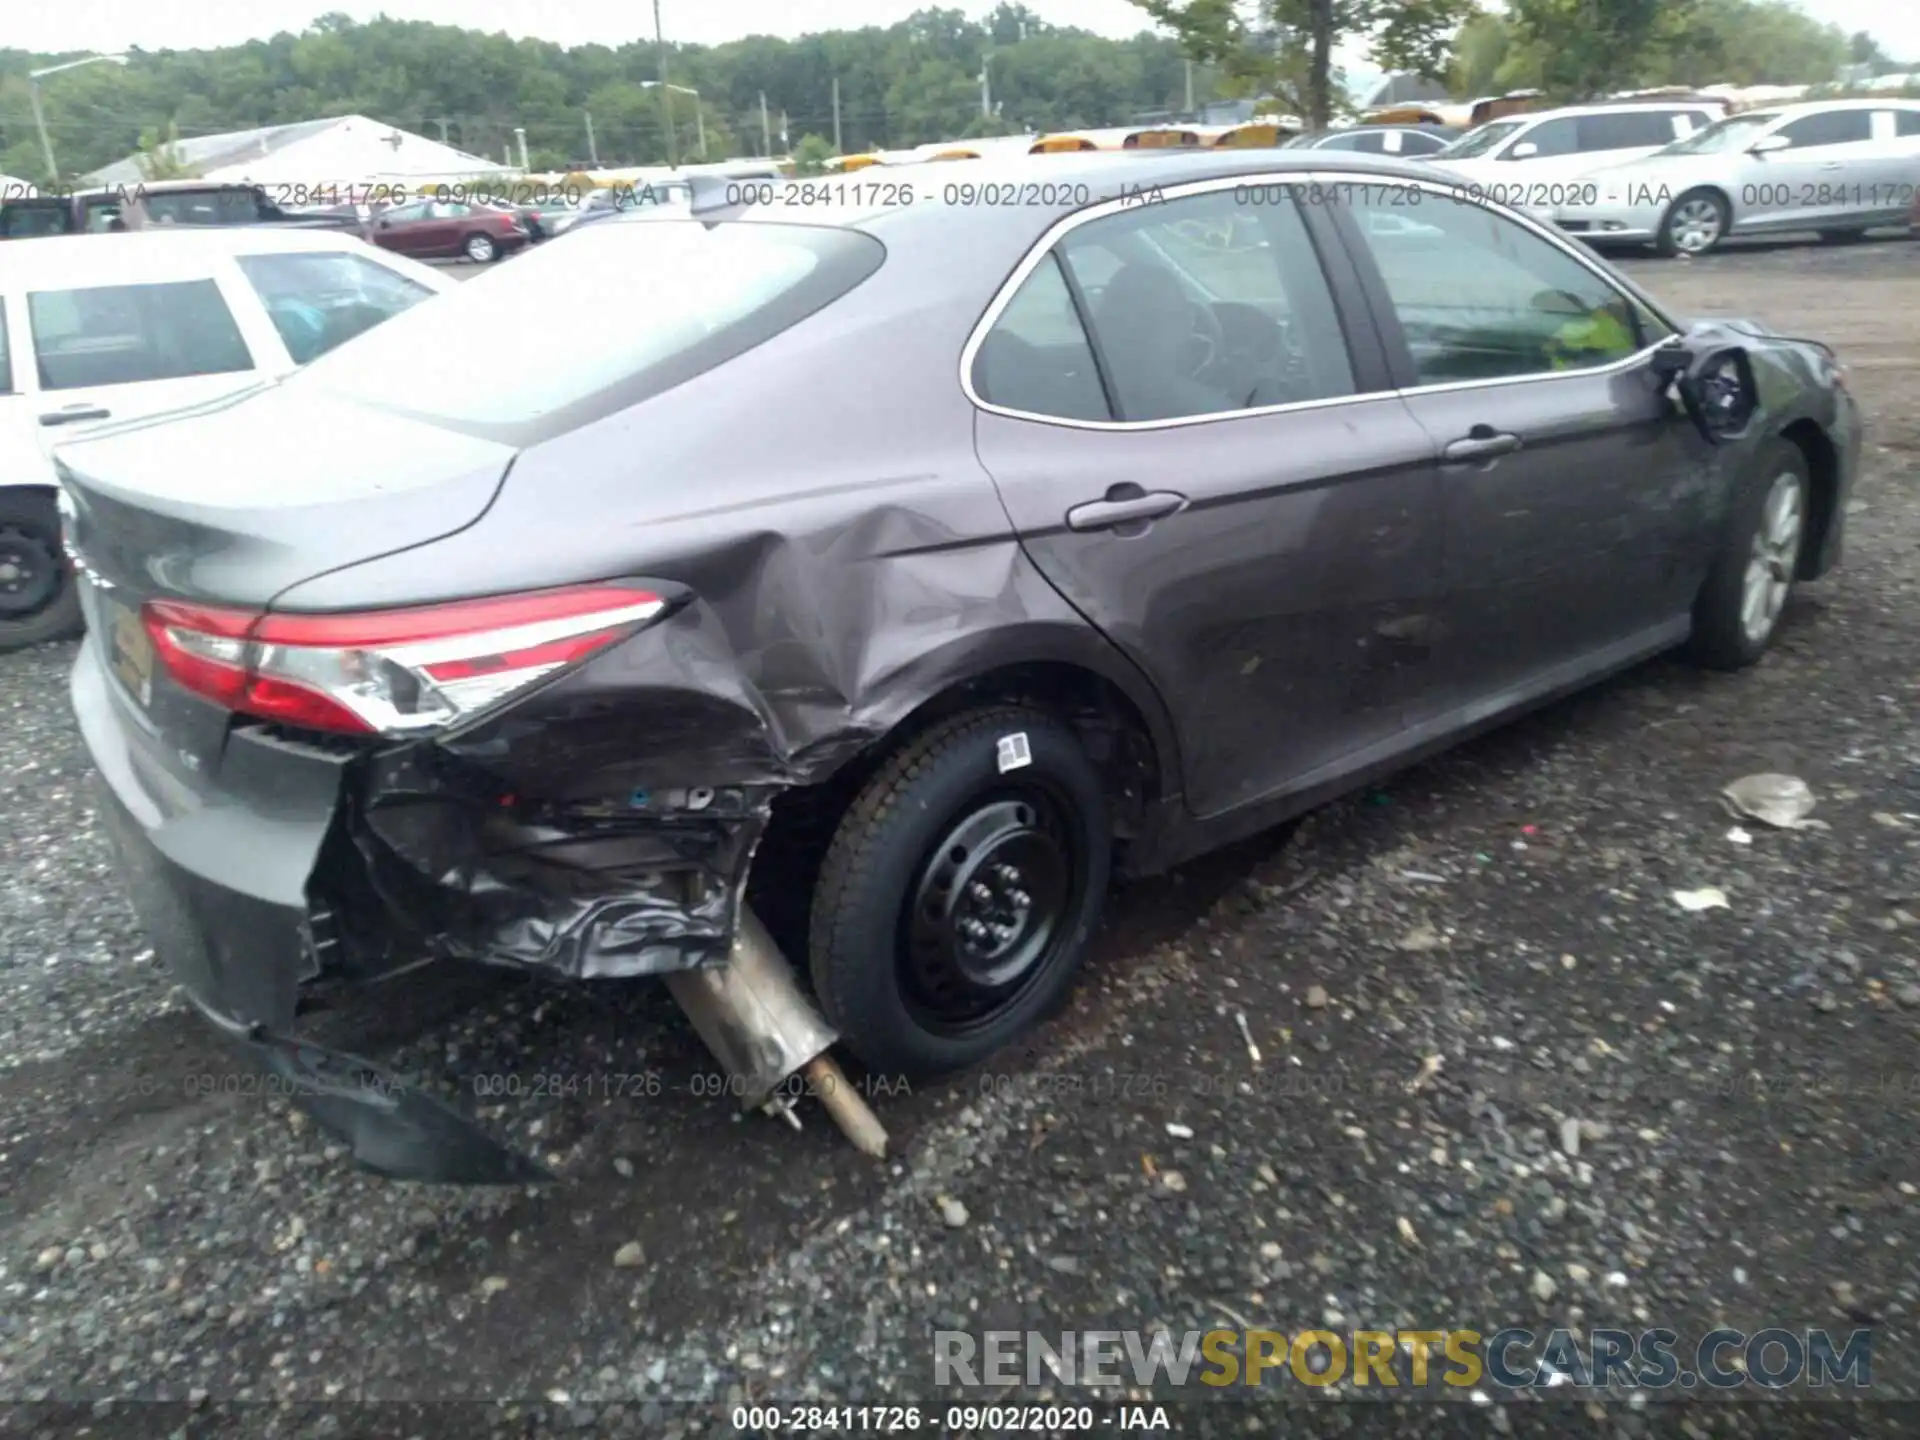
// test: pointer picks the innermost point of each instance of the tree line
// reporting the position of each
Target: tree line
(882, 87)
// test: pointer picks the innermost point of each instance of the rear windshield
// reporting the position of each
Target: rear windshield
(623, 311)
(22, 219)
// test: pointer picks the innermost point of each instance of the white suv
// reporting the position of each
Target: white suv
(100, 329)
(1535, 162)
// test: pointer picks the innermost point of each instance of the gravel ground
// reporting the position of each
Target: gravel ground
(1639, 1116)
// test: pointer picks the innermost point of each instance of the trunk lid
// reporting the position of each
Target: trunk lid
(234, 502)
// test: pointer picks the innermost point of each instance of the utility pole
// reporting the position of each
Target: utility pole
(40, 124)
(666, 95)
(593, 153)
(1189, 89)
(441, 121)
(836, 114)
(520, 137)
(986, 83)
(766, 130)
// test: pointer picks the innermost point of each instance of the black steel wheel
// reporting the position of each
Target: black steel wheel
(957, 898)
(38, 600)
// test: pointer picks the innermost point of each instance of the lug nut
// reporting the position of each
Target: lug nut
(980, 892)
(1020, 898)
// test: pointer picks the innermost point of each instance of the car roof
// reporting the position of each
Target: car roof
(135, 256)
(1617, 107)
(1027, 193)
(1802, 107)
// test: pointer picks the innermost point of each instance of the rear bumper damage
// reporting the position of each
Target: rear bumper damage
(431, 854)
(310, 864)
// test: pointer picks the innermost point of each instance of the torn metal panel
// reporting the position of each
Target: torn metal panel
(641, 885)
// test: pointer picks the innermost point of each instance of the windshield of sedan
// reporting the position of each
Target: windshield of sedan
(1736, 132)
(710, 292)
(1480, 141)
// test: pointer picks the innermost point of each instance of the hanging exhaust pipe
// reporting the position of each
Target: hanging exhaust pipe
(763, 1030)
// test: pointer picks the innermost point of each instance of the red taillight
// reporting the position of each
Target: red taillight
(509, 222)
(389, 672)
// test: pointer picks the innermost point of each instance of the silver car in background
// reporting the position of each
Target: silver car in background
(1834, 167)
(1541, 161)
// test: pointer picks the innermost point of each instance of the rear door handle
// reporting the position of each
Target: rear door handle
(1832, 165)
(1482, 444)
(1123, 510)
(73, 413)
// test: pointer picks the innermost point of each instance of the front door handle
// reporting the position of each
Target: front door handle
(1481, 443)
(73, 413)
(1832, 165)
(1124, 509)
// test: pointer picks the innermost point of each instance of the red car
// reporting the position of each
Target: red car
(428, 228)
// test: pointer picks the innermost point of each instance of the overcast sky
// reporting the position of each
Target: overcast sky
(60, 25)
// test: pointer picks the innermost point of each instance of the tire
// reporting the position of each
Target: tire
(38, 599)
(1709, 209)
(937, 839)
(480, 249)
(1755, 547)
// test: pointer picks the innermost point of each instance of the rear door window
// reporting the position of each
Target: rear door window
(320, 299)
(1209, 304)
(124, 334)
(6, 354)
(1633, 129)
(1828, 127)
(1906, 122)
(1036, 358)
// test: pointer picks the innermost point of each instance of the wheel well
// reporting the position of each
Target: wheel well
(1110, 725)
(1823, 470)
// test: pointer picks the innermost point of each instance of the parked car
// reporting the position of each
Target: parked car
(646, 196)
(1409, 141)
(544, 219)
(94, 331)
(153, 204)
(426, 229)
(567, 658)
(1538, 162)
(1834, 167)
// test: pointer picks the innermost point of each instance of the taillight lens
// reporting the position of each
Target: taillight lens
(389, 672)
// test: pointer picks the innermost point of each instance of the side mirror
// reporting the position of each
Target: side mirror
(1767, 144)
(1525, 150)
(1716, 386)
(1671, 359)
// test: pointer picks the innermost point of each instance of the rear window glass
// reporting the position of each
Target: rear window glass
(121, 334)
(22, 219)
(318, 299)
(204, 207)
(624, 310)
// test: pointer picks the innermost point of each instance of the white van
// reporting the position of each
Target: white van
(100, 329)
(1536, 162)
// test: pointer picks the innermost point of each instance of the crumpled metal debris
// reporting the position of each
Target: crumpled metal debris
(1782, 801)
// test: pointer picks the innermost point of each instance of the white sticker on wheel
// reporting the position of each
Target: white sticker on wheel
(1014, 751)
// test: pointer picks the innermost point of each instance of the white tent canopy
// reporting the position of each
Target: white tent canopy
(348, 150)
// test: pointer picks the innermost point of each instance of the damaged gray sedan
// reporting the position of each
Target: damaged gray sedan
(903, 566)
